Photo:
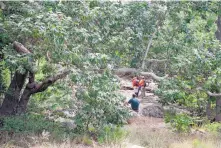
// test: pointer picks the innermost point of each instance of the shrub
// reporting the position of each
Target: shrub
(34, 124)
(213, 127)
(111, 134)
(101, 104)
(180, 122)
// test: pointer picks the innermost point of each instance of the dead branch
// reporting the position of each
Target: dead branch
(156, 60)
(48, 56)
(155, 77)
(20, 48)
(213, 94)
(133, 71)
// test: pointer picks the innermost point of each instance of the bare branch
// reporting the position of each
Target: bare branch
(156, 60)
(20, 48)
(129, 71)
(213, 94)
(48, 56)
(155, 77)
(148, 47)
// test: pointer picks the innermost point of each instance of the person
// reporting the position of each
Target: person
(141, 86)
(135, 84)
(134, 103)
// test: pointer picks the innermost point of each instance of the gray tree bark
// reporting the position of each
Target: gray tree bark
(13, 103)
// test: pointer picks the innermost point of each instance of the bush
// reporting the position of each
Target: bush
(111, 134)
(34, 124)
(101, 104)
(213, 127)
(180, 122)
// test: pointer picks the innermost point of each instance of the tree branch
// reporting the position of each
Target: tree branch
(49, 81)
(48, 57)
(129, 71)
(147, 50)
(156, 60)
(155, 77)
(20, 48)
(213, 94)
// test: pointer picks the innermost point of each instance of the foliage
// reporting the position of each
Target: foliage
(4, 77)
(180, 122)
(194, 55)
(213, 127)
(34, 124)
(201, 144)
(112, 134)
(91, 38)
(101, 104)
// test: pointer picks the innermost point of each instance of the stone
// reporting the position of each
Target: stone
(66, 122)
(134, 114)
(176, 110)
(152, 110)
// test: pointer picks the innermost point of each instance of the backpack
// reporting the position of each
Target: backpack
(137, 83)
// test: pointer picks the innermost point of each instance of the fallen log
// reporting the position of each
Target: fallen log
(133, 71)
(155, 77)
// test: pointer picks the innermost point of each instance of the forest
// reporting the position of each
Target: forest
(66, 70)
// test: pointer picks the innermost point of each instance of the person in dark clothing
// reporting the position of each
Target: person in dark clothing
(134, 103)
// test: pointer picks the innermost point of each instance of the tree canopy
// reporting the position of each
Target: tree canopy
(81, 44)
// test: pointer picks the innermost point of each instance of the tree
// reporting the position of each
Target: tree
(16, 100)
(195, 66)
(62, 33)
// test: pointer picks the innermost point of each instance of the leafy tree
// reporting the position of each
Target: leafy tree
(195, 63)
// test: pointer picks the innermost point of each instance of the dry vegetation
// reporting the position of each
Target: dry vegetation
(149, 132)
(143, 132)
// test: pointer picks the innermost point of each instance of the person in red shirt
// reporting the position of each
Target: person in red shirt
(135, 84)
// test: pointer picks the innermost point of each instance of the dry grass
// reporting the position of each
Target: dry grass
(144, 132)
(140, 137)
(153, 133)
(163, 138)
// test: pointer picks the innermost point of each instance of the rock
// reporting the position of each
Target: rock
(149, 98)
(130, 145)
(134, 114)
(69, 113)
(175, 110)
(66, 122)
(124, 87)
(45, 134)
(199, 132)
(152, 110)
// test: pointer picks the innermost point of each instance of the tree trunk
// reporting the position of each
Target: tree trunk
(22, 105)
(218, 99)
(218, 104)
(209, 110)
(147, 50)
(13, 103)
(218, 32)
(218, 109)
(12, 95)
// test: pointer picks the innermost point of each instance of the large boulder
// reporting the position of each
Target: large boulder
(152, 110)
(176, 109)
(66, 122)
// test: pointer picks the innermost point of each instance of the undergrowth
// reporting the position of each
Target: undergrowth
(35, 124)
